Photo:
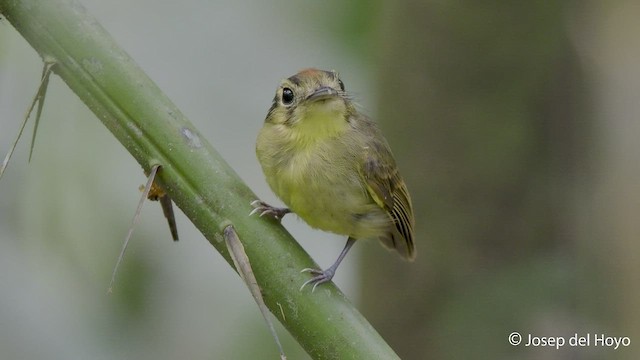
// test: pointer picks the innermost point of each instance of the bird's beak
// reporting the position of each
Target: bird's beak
(322, 93)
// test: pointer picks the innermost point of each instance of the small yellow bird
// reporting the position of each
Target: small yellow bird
(332, 167)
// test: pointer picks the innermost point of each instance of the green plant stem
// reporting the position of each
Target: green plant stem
(207, 190)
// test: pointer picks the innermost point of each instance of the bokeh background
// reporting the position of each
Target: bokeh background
(515, 125)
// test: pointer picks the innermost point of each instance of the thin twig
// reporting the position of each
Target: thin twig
(136, 218)
(241, 261)
(42, 94)
(46, 71)
(167, 209)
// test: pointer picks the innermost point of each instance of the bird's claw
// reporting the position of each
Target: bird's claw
(262, 208)
(321, 277)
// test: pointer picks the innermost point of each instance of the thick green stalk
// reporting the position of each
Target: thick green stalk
(207, 190)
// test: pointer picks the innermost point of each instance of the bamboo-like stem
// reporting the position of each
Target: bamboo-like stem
(207, 190)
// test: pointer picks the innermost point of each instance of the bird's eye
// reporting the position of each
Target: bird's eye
(341, 84)
(287, 96)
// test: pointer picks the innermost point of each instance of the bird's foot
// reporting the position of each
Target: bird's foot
(321, 277)
(264, 209)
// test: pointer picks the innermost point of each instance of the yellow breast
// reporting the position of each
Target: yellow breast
(320, 182)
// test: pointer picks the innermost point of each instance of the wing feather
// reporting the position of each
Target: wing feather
(386, 187)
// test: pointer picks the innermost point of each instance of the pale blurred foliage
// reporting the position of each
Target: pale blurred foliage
(611, 48)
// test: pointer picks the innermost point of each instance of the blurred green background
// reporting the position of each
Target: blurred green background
(514, 124)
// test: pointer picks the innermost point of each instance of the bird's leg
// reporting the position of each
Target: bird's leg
(323, 276)
(262, 208)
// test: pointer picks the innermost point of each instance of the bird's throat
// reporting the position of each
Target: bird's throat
(321, 121)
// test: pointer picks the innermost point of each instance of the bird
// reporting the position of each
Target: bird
(331, 165)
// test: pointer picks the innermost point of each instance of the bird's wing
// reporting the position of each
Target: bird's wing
(388, 190)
